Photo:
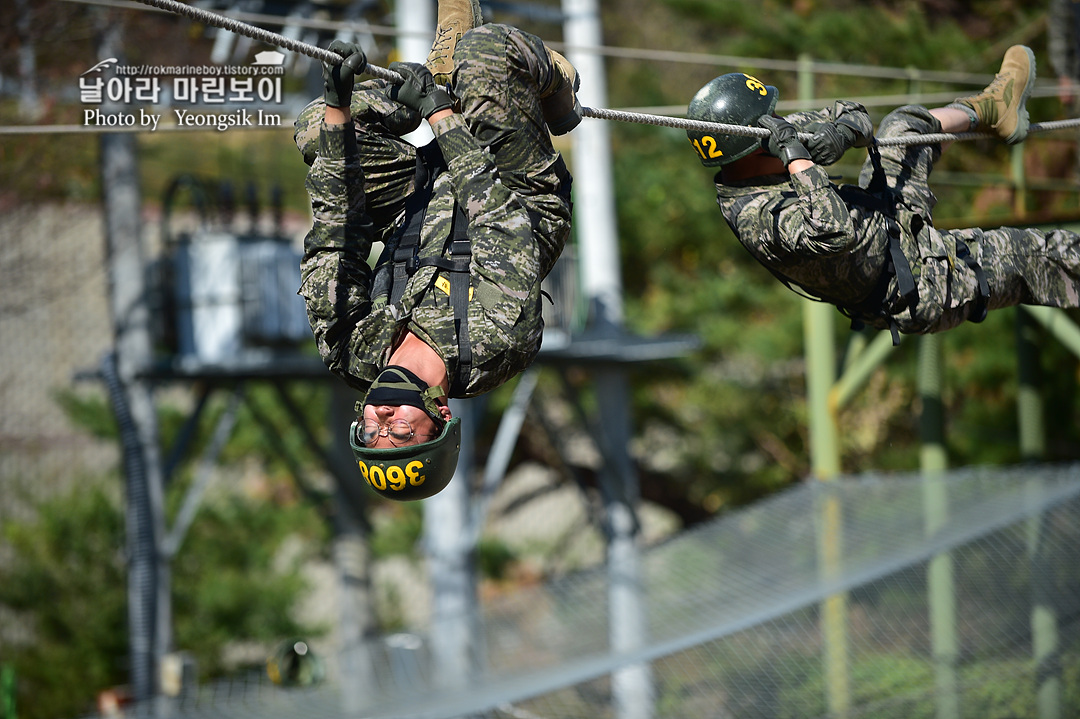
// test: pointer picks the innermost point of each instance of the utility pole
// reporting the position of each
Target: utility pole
(150, 611)
(352, 559)
(29, 104)
(415, 23)
(450, 555)
(940, 575)
(595, 222)
(819, 334)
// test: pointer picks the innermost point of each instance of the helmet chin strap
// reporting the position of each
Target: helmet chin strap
(398, 386)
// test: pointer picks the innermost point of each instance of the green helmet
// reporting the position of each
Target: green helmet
(732, 99)
(293, 664)
(415, 471)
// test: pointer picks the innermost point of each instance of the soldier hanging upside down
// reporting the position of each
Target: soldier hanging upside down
(872, 249)
(471, 223)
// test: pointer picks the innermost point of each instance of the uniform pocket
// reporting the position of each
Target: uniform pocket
(509, 317)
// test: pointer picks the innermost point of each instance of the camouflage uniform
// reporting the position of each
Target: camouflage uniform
(803, 230)
(504, 172)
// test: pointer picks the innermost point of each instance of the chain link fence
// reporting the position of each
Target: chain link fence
(830, 599)
(54, 321)
(754, 615)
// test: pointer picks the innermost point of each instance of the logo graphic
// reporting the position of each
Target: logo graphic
(269, 57)
(201, 88)
(103, 65)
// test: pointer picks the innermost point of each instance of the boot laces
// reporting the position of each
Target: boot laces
(442, 39)
(998, 83)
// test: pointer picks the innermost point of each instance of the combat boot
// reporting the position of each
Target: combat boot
(558, 99)
(455, 18)
(1002, 106)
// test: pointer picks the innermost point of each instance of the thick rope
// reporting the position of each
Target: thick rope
(257, 33)
(272, 38)
(744, 131)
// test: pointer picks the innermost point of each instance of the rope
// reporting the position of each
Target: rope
(744, 131)
(272, 38)
(257, 33)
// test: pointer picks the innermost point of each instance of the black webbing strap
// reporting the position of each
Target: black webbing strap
(905, 279)
(407, 239)
(406, 259)
(461, 256)
(878, 184)
(880, 198)
(982, 302)
(405, 262)
(457, 266)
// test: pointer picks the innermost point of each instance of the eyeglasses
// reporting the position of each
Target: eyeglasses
(398, 431)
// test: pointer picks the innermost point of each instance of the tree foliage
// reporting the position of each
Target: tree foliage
(67, 579)
(235, 578)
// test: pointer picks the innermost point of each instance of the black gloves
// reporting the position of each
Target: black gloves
(338, 79)
(419, 90)
(831, 140)
(784, 141)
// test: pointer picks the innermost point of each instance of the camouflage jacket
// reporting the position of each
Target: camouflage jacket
(355, 335)
(799, 227)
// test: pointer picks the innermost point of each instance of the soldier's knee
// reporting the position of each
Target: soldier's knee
(486, 41)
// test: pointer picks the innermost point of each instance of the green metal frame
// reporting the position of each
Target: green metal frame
(828, 393)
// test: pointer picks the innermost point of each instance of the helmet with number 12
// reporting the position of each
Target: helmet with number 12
(732, 99)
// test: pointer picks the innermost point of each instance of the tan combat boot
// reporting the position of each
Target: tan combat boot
(1002, 106)
(455, 18)
(558, 100)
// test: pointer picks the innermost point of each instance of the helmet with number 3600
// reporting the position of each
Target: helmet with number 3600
(732, 99)
(412, 472)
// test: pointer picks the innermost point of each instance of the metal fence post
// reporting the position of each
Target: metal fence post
(1044, 622)
(819, 326)
(940, 583)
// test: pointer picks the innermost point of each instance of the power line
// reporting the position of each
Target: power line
(271, 38)
(279, 20)
(673, 56)
(890, 101)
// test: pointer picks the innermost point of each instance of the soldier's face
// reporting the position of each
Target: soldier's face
(394, 423)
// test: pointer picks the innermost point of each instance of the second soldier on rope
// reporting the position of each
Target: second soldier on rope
(872, 249)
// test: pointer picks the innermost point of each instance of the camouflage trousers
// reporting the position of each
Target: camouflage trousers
(1021, 265)
(499, 73)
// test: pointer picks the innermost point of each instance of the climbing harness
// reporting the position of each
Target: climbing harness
(404, 247)
(880, 198)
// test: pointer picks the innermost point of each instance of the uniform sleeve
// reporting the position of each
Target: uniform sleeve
(335, 279)
(811, 221)
(846, 112)
(505, 254)
(805, 118)
(855, 116)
